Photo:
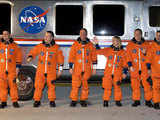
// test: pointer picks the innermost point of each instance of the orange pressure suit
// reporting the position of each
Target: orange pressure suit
(116, 61)
(82, 56)
(49, 57)
(137, 60)
(10, 58)
(154, 60)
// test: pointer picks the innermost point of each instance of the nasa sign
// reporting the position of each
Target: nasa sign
(33, 19)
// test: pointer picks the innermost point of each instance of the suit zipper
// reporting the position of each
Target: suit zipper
(115, 56)
(6, 52)
(46, 59)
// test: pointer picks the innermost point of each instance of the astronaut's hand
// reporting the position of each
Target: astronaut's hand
(71, 71)
(53, 82)
(29, 59)
(14, 81)
(131, 69)
(124, 76)
(95, 40)
(93, 71)
(149, 80)
(118, 83)
(17, 71)
(59, 73)
(149, 73)
(144, 51)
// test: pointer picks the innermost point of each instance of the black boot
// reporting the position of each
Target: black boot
(105, 103)
(15, 105)
(148, 103)
(36, 104)
(3, 105)
(118, 103)
(52, 104)
(73, 103)
(136, 103)
(156, 106)
(83, 103)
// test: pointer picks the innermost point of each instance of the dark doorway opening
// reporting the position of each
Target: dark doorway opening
(5, 21)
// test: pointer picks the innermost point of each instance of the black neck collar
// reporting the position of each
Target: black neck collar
(116, 48)
(7, 42)
(138, 42)
(48, 44)
(158, 42)
(83, 42)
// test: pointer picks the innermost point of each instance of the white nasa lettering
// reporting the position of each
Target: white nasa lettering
(32, 19)
(23, 19)
(36, 19)
(42, 20)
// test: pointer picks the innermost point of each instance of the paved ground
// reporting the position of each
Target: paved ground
(94, 111)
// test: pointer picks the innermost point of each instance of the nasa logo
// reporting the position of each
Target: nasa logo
(33, 19)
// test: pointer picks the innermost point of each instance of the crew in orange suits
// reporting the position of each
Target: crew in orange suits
(10, 62)
(82, 63)
(49, 56)
(153, 65)
(113, 74)
(136, 54)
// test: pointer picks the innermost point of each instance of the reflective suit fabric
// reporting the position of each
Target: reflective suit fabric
(48, 58)
(10, 56)
(154, 59)
(138, 60)
(82, 56)
(116, 61)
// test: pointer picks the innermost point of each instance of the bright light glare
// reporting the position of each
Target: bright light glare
(103, 32)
